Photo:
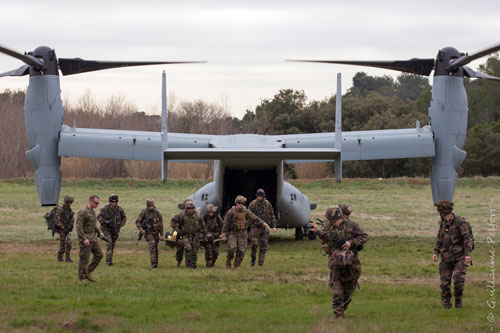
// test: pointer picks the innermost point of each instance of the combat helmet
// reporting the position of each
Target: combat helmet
(333, 213)
(189, 204)
(113, 197)
(260, 193)
(444, 207)
(240, 199)
(150, 202)
(346, 209)
(69, 199)
(211, 208)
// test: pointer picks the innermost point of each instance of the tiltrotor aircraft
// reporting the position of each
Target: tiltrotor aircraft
(246, 162)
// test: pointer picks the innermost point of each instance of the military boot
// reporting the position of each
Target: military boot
(68, 259)
(179, 263)
(228, 264)
(209, 264)
(89, 277)
(252, 261)
(458, 303)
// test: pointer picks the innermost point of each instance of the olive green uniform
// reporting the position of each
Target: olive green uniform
(236, 223)
(343, 280)
(86, 228)
(259, 236)
(214, 227)
(112, 219)
(63, 218)
(453, 243)
(152, 236)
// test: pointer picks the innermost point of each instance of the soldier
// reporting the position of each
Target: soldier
(86, 227)
(150, 224)
(112, 218)
(263, 209)
(64, 220)
(191, 228)
(454, 243)
(174, 224)
(213, 223)
(236, 224)
(342, 239)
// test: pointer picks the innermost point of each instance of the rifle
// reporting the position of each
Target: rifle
(70, 225)
(146, 226)
(103, 237)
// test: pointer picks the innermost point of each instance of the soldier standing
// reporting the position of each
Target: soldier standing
(64, 221)
(454, 243)
(213, 223)
(150, 224)
(86, 227)
(236, 224)
(343, 239)
(263, 209)
(192, 229)
(112, 218)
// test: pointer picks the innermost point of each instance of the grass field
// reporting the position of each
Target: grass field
(399, 282)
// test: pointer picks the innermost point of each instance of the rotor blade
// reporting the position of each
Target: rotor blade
(77, 65)
(464, 60)
(23, 70)
(472, 73)
(415, 66)
(27, 59)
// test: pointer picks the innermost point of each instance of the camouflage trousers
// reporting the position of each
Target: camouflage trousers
(179, 251)
(447, 271)
(191, 247)
(64, 246)
(236, 242)
(110, 244)
(83, 264)
(259, 237)
(211, 253)
(343, 282)
(153, 240)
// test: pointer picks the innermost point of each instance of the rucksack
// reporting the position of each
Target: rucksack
(50, 219)
(458, 221)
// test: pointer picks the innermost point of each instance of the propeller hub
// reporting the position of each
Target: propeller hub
(48, 56)
(443, 59)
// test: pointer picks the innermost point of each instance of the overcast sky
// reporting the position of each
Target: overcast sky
(244, 42)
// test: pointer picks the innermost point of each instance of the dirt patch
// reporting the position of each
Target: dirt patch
(17, 248)
(71, 325)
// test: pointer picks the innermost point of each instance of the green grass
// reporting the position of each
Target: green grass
(399, 282)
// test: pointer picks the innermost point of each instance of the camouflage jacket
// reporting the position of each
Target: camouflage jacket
(213, 224)
(186, 224)
(174, 222)
(63, 217)
(110, 217)
(347, 230)
(240, 219)
(453, 240)
(264, 210)
(157, 221)
(86, 225)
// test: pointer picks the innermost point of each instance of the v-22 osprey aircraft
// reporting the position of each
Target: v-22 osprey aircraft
(245, 162)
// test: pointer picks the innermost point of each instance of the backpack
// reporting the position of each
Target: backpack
(50, 219)
(458, 221)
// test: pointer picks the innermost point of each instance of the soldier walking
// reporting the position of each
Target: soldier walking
(343, 239)
(191, 228)
(64, 221)
(213, 223)
(236, 223)
(263, 209)
(86, 227)
(454, 244)
(112, 218)
(150, 224)
(174, 224)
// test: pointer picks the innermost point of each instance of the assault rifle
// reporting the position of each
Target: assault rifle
(146, 227)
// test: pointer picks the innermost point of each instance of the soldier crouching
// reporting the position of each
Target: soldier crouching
(150, 224)
(236, 223)
(342, 238)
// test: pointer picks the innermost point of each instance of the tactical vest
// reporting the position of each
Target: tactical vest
(240, 219)
(190, 224)
(212, 223)
(155, 216)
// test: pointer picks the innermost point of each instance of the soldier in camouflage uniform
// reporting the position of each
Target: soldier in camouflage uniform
(86, 227)
(64, 219)
(112, 218)
(192, 229)
(236, 223)
(174, 224)
(150, 224)
(454, 243)
(341, 236)
(213, 223)
(263, 209)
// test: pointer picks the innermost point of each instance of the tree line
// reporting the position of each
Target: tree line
(372, 103)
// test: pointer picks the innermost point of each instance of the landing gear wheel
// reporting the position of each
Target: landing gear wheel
(311, 235)
(299, 234)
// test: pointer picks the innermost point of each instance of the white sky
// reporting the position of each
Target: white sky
(244, 42)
